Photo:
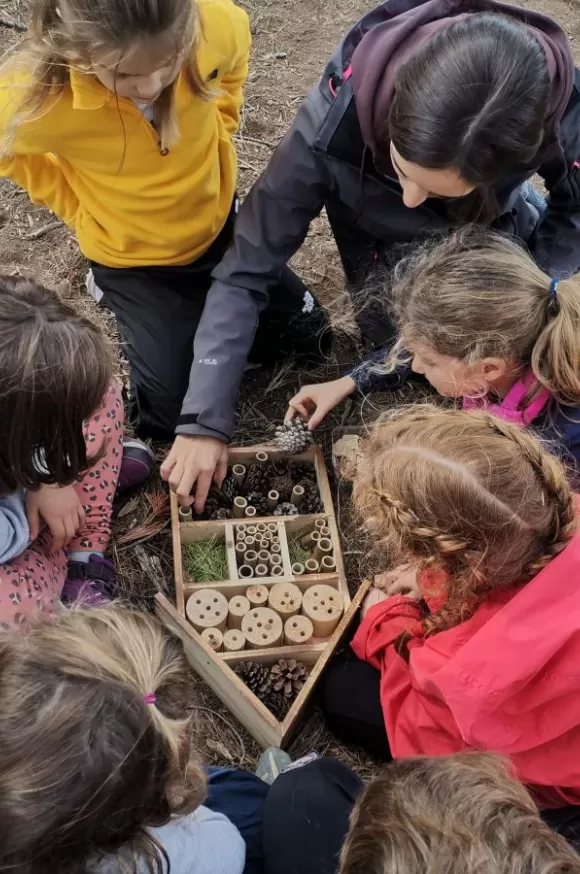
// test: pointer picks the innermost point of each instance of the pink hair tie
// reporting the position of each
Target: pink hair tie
(150, 698)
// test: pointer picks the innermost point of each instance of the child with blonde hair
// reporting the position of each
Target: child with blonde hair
(482, 322)
(120, 115)
(473, 642)
(62, 453)
(98, 769)
(463, 813)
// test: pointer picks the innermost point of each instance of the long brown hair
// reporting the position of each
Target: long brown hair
(466, 493)
(55, 367)
(462, 813)
(479, 294)
(94, 742)
(70, 33)
(473, 97)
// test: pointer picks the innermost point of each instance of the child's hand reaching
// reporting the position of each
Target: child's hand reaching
(400, 581)
(60, 508)
(314, 402)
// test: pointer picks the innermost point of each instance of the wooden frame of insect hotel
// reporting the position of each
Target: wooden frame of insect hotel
(261, 595)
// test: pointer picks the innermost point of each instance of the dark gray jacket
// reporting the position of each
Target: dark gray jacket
(323, 161)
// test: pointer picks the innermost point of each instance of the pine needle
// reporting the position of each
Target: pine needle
(295, 548)
(206, 560)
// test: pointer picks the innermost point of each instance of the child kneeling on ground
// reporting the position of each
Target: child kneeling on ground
(62, 453)
(473, 642)
(480, 320)
(97, 767)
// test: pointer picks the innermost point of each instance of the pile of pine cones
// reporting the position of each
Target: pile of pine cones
(281, 477)
(276, 686)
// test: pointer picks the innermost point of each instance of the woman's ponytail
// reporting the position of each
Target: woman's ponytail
(556, 353)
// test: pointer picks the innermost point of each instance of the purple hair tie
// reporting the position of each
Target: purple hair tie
(150, 698)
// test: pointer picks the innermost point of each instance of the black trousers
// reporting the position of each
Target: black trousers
(306, 818)
(158, 310)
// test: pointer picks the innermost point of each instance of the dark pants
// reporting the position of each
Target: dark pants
(241, 797)
(158, 310)
(352, 707)
(306, 818)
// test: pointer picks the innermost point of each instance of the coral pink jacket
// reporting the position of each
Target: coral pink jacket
(507, 680)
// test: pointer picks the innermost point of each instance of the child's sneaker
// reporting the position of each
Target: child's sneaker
(137, 465)
(89, 583)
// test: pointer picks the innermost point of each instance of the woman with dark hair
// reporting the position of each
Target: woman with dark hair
(429, 115)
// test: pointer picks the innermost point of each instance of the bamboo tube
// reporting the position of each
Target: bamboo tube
(297, 495)
(250, 541)
(328, 564)
(324, 532)
(239, 507)
(241, 549)
(251, 558)
(277, 571)
(239, 473)
(241, 538)
(238, 607)
(250, 512)
(298, 569)
(273, 527)
(311, 539)
(214, 638)
(320, 523)
(251, 531)
(261, 570)
(323, 547)
(185, 514)
(298, 631)
(275, 549)
(257, 595)
(272, 500)
(267, 537)
(262, 457)
(311, 566)
(275, 560)
(240, 529)
(261, 528)
(245, 572)
(275, 540)
(234, 641)
(264, 557)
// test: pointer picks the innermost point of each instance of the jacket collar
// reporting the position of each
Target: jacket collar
(87, 91)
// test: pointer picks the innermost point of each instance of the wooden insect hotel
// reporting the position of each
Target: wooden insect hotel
(261, 600)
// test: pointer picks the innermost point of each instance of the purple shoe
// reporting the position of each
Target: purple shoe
(88, 584)
(137, 465)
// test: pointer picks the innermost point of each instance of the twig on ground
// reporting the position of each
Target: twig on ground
(266, 143)
(229, 725)
(44, 229)
(12, 24)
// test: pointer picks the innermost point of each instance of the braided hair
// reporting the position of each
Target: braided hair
(465, 493)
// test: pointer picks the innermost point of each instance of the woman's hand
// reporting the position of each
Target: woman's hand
(60, 508)
(400, 581)
(314, 402)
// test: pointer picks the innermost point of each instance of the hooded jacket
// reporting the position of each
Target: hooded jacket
(507, 680)
(326, 161)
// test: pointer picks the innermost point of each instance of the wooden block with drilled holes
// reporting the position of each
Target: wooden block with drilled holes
(238, 607)
(291, 636)
(324, 607)
(262, 628)
(214, 639)
(285, 599)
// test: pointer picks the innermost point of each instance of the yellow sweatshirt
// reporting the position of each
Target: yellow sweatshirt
(96, 161)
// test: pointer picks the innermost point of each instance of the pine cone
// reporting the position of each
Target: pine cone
(283, 484)
(255, 676)
(311, 502)
(303, 473)
(286, 509)
(211, 507)
(257, 500)
(221, 514)
(288, 676)
(230, 489)
(258, 478)
(293, 437)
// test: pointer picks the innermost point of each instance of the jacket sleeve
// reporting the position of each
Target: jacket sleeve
(417, 722)
(555, 243)
(43, 179)
(14, 530)
(270, 228)
(231, 95)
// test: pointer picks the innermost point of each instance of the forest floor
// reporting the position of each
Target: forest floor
(292, 40)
